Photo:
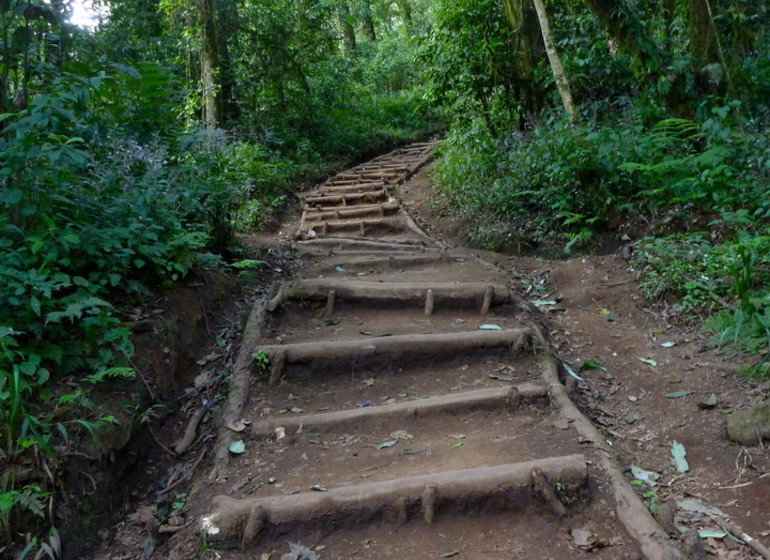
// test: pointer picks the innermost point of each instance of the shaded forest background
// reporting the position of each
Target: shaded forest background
(132, 153)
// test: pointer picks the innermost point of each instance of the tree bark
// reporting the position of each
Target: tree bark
(559, 76)
(213, 112)
(368, 21)
(348, 32)
(621, 23)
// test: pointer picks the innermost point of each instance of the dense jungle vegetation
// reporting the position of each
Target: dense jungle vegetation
(134, 151)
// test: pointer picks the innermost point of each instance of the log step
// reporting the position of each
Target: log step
(332, 189)
(442, 343)
(244, 520)
(469, 293)
(374, 210)
(487, 399)
(347, 199)
(333, 245)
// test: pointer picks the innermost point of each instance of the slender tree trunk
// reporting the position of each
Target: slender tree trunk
(562, 84)
(210, 67)
(226, 22)
(405, 8)
(348, 32)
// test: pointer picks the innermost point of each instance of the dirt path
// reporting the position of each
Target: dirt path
(400, 399)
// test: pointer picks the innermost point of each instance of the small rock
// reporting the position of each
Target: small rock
(748, 426)
(562, 424)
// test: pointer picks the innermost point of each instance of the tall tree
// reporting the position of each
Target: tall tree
(560, 77)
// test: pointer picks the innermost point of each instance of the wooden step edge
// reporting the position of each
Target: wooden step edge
(229, 521)
(510, 397)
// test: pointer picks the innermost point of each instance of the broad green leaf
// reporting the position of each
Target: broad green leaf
(648, 361)
(679, 453)
(458, 444)
(386, 444)
(542, 302)
(34, 303)
(668, 344)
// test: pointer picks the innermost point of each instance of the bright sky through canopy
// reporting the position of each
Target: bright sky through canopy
(85, 15)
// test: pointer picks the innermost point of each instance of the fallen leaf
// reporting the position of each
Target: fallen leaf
(413, 450)
(502, 377)
(648, 361)
(562, 424)
(458, 444)
(678, 394)
(237, 447)
(648, 477)
(592, 365)
(679, 453)
(339, 269)
(369, 382)
(705, 534)
(696, 506)
(710, 402)
(668, 344)
(386, 444)
(449, 554)
(401, 434)
(542, 302)
(490, 327)
(571, 372)
(318, 488)
(236, 426)
(631, 417)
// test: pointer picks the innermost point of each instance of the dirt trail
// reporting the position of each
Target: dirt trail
(400, 399)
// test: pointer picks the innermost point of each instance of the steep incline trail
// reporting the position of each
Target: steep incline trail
(398, 400)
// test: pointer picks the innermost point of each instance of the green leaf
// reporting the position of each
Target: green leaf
(34, 303)
(490, 327)
(704, 534)
(678, 394)
(237, 447)
(458, 444)
(648, 361)
(386, 444)
(668, 344)
(679, 453)
(592, 365)
(449, 554)
(10, 197)
(542, 302)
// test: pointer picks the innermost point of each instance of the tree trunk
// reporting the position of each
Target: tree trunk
(621, 23)
(368, 21)
(226, 22)
(348, 32)
(210, 68)
(562, 84)
(527, 42)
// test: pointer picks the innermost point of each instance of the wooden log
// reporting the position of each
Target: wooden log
(384, 292)
(227, 517)
(428, 302)
(480, 399)
(399, 345)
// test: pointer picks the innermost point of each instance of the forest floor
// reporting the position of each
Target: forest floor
(645, 399)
